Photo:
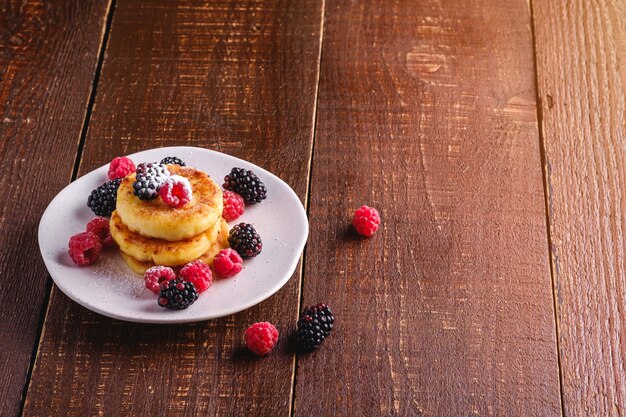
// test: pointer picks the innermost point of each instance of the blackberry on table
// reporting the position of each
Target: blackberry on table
(245, 240)
(245, 183)
(177, 294)
(174, 160)
(315, 324)
(149, 179)
(103, 199)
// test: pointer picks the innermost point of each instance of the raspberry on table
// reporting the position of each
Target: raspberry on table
(227, 263)
(245, 183)
(245, 240)
(84, 248)
(176, 191)
(366, 220)
(177, 294)
(173, 160)
(103, 199)
(199, 274)
(155, 276)
(149, 180)
(100, 227)
(120, 167)
(261, 338)
(314, 325)
(233, 206)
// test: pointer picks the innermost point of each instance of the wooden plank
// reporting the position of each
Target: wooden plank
(239, 78)
(581, 55)
(428, 113)
(48, 57)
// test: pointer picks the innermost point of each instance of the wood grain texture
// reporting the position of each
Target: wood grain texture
(581, 66)
(48, 57)
(428, 113)
(237, 77)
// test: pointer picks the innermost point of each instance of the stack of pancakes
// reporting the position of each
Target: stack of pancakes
(151, 233)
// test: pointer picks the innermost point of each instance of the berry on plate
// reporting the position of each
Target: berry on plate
(227, 263)
(245, 240)
(233, 206)
(246, 184)
(261, 338)
(100, 227)
(199, 274)
(176, 191)
(149, 179)
(173, 160)
(366, 220)
(177, 294)
(315, 324)
(156, 275)
(84, 248)
(102, 200)
(120, 167)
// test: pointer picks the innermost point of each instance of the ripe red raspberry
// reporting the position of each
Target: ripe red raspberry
(261, 338)
(199, 274)
(227, 263)
(85, 248)
(120, 167)
(156, 275)
(366, 220)
(99, 226)
(233, 206)
(176, 192)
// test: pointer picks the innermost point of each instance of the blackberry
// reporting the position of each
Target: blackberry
(177, 294)
(173, 160)
(246, 184)
(102, 200)
(149, 179)
(315, 324)
(245, 240)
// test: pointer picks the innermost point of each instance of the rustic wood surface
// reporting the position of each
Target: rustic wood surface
(581, 71)
(48, 57)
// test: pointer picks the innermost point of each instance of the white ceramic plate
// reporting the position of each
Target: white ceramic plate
(110, 288)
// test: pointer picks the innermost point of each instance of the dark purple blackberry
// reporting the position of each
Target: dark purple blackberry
(315, 324)
(173, 160)
(246, 184)
(149, 179)
(177, 294)
(102, 200)
(245, 240)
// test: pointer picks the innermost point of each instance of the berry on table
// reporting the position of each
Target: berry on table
(103, 199)
(261, 338)
(149, 179)
(173, 160)
(245, 240)
(245, 183)
(176, 191)
(233, 206)
(155, 276)
(100, 227)
(177, 294)
(120, 167)
(199, 274)
(315, 324)
(227, 263)
(84, 248)
(366, 220)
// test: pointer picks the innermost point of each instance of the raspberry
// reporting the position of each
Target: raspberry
(120, 167)
(177, 294)
(149, 179)
(246, 184)
(366, 220)
(99, 226)
(156, 275)
(233, 206)
(261, 338)
(176, 191)
(315, 324)
(199, 274)
(103, 199)
(227, 263)
(85, 248)
(245, 240)
(173, 160)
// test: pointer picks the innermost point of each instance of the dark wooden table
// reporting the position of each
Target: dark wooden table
(490, 134)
